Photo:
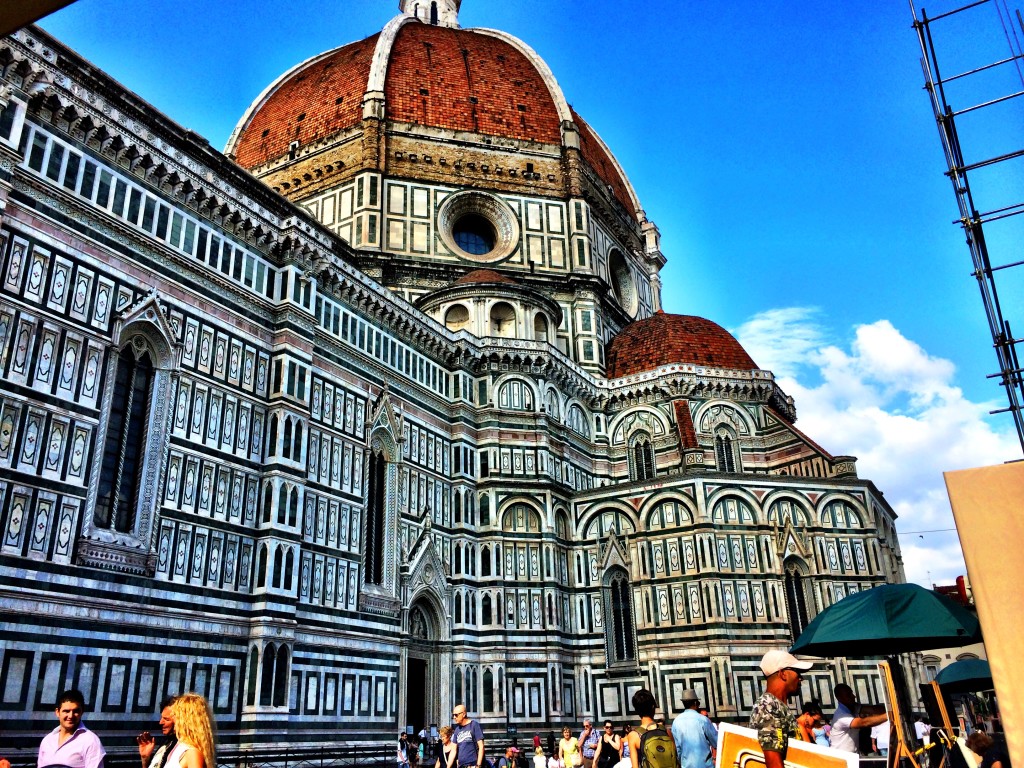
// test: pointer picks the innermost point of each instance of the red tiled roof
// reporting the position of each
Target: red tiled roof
(467, 81)
(328, 94)
(593, 152)
(438, 77)
(665, 339)
(484, 276)
(684, 423)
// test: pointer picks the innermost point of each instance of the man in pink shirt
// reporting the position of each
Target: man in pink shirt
(71, 743)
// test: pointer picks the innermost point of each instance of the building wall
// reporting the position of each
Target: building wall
(263, 561)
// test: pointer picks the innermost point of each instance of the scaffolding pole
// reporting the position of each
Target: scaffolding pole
(959, 171)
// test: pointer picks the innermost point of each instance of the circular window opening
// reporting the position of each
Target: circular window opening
(478, 227)
(474, 234)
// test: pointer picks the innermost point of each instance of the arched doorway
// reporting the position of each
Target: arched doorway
(424, 675)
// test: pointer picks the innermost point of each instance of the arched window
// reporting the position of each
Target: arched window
(272, 437)
(619, 639)
(281, 677)
(289, 567)
(457, 560)
(268, 502)
(293, 508)
(515, 395)
(521, 518)
(124, 445)
(267, 676)
(641, 457)
(503, 320)
(488, 691)
(261, 567)
(278, 567)
(458, 607)
(540, 327)
(282, 504)
(485, 509)
(433, 14)
(576, 420)
(286, 448)
(796, 596)
(486, 612)
(458, 506)
(485, 560)
(297, 442)
(377, 474)
(456, 318)
(254, 672)
(725, 450)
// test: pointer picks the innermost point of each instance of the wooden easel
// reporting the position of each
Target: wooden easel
(901, 741)
(946, 724)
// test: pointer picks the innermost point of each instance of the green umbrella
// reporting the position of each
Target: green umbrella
(966, 676)
(886, 620)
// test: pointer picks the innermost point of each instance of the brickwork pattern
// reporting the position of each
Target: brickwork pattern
(328, 95)
(666, 339)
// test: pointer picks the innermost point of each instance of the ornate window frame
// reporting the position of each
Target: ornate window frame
(142, 329)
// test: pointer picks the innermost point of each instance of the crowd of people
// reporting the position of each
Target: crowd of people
(188, 734)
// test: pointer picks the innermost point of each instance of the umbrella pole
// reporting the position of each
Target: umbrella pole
(899, 731)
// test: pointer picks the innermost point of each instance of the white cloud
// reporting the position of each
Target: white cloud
(896, 408)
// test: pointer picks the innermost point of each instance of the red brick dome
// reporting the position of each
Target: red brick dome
(665, 339)
(477, 81)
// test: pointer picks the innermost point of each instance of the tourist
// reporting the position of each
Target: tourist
(644, 705)
(147, 744)
(772, 719)
(696, 738)
(608, 747)
(469, 739)
(589, 739)
(194, 730)
(569, 749)
(850, 717)
(445, 750)
(71, 744)
(992, 755)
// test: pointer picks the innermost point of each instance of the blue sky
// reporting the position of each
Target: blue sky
(786, 151)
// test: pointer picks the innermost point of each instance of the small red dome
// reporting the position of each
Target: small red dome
(665, 339)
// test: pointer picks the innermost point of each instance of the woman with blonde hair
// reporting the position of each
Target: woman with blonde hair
(446, 749)
(194, 728)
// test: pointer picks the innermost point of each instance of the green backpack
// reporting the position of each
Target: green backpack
(658, 749)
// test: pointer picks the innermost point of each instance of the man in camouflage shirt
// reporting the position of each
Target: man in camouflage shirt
(772, 718)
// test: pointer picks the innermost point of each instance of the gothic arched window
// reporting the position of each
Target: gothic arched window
(725, 450)
(124, 446)
(375, 517)
(796, 597)
(619, 639)
(641, 457)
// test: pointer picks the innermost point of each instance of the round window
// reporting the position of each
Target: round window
(474, 234)
(478, 227)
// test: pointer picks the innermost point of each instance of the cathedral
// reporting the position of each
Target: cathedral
(378, 411)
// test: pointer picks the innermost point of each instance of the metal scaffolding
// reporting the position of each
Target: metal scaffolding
(1003, 78)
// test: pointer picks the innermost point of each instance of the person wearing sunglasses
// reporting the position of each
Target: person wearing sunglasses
(772, 718)
(469, 739)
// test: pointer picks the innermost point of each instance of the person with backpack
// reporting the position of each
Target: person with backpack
(774, 722)
(649, 745)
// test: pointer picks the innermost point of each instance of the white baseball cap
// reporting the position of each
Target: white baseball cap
(774, 661)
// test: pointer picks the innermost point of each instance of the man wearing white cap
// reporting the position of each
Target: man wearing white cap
(772, 718)
(695, 736)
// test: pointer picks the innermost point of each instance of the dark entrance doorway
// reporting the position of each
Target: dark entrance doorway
(416, 693)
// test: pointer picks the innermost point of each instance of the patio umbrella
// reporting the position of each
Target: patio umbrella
(886, 620)
(966, 676)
